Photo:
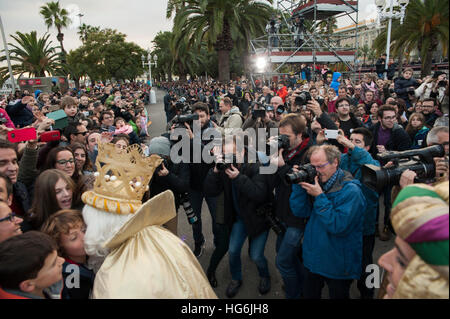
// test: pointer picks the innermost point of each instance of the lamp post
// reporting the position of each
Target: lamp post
(11, 76)
(152, 95)
(390, 15)
(79, 16)
(149, 63)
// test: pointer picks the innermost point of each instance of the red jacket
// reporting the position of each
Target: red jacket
(283, 92)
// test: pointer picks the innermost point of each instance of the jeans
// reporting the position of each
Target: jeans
(288, 261)
(338, 288)
(368, 245)
(196, 198)
(222, 238)
(237, 239)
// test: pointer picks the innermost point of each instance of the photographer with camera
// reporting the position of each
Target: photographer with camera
(298, 28)
(259, 118)
(168, 176)
(273, 28)
(292, 146)
(278, 107)
(405, 86)
(198, 172)
(333, 202)
(388, 136)
(244, 191)
(358, 155)
(432, 86)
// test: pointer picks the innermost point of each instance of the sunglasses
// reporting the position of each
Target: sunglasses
(10, 217)
(82, 133)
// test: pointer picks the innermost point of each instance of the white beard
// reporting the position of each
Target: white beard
(100, 227)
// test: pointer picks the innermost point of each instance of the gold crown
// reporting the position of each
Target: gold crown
(122, 178)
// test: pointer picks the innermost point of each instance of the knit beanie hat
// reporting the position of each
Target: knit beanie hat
(160, 145)
(420, 216)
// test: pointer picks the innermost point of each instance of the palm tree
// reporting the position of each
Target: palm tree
(34, 56)
(220, 23)
(56, 16)
(327, 26)
(425, 27)
(364, 51)
(84, 30)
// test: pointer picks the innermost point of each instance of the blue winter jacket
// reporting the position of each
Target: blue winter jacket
(332, 244)
(334, 83)
(352, 162)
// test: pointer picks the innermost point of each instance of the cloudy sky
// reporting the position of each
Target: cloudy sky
(140, 20)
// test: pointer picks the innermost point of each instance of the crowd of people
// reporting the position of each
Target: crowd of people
(324, 216)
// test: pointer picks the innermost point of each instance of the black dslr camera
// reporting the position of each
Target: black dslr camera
(228, 161)
(266, 211)
(260, 112)
(306, 173)
(303, 98)
(419, 160)
(185, 115)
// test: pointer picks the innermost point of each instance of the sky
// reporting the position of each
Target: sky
(140, 20)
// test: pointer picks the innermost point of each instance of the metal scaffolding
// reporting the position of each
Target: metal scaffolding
(308, 45)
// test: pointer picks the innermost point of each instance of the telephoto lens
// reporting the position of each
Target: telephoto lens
(188, 209)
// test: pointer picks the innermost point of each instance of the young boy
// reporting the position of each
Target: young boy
(67, 229)
(30, 267)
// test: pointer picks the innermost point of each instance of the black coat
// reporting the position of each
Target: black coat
(177, 181)
(283, 190)
(252, 189)
(399, 140)
(20, 115)
(23, 196)
(401, 85)
(381, 65)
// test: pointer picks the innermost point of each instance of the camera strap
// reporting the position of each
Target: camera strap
(297, 150)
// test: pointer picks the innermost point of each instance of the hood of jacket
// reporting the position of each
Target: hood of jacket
(336, 76)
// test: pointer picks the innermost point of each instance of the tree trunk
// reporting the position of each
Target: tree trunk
(183, 77)
(77, 84)
(224, 65)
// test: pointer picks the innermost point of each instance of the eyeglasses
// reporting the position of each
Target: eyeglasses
(82, 133)
(321, 166)
(10, 217)
(64, 162)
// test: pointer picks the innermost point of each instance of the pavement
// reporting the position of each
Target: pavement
(249, 288)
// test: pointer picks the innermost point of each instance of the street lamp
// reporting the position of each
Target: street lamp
(390, 15)
(149, 63)
(152, 95)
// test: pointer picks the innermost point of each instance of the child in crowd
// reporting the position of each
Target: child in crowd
(369, 84)
(30, 267)
(122, 127)
(417, 130)
(67, 228)
(332, 98)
